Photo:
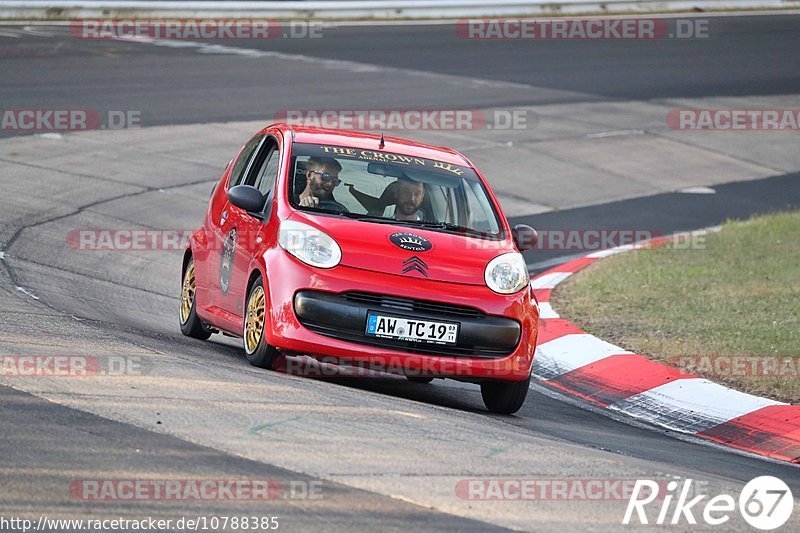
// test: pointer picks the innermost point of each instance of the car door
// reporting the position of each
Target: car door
(204, 248)
(218, 235)
(244, 233)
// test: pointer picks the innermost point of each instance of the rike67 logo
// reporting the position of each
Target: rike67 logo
(766, 503)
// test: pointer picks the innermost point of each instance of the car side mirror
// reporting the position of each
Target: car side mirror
(525, 237)
(247, 197)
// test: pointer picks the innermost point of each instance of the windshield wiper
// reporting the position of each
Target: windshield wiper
(424, 223)
(445, 226)
(369, 218)
(428, 224)
(384, 220)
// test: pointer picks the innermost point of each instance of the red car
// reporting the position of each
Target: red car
(373, 252)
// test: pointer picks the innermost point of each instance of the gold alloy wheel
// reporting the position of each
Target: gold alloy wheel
(254, 322)
(187, 293)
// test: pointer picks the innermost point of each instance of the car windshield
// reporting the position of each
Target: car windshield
(383, 187)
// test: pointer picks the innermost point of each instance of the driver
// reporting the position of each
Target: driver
(322, 177)
(409, 195)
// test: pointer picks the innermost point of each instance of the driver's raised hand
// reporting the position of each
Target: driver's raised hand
(306, 198)
(309, 201)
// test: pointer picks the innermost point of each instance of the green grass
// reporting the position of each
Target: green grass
(737, 295)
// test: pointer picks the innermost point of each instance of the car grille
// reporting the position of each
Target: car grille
(343, 316)
(408, 304)
(410, 347)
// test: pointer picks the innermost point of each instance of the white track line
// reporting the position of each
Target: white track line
(690, 405)
(569, 352)
(549, 281)
(546, 311)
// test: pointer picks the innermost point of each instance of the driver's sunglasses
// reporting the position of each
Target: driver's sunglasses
(326, 176)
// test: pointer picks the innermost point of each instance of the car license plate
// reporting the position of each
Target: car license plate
(411, 329)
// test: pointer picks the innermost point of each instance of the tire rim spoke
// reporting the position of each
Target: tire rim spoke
(187, 293)
(254, 321)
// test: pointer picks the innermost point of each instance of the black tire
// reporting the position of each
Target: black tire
(419, 379)
(264, 355)
(193, 326)
(505, 397)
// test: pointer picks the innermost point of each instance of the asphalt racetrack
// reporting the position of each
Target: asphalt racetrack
(594, 151)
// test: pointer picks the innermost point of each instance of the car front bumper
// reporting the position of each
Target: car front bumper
(322, 313)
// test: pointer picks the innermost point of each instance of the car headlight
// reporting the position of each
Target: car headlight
(308, 244)
(507, 273)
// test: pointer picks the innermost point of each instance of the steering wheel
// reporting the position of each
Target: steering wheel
(331, 205)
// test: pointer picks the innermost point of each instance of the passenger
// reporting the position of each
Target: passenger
(408, 198)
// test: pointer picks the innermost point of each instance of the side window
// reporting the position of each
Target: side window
(265, 167)
(480, 212)
(240, 166)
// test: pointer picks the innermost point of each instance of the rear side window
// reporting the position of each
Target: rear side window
(241, 164)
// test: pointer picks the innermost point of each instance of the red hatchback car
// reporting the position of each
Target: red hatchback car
(349, 247)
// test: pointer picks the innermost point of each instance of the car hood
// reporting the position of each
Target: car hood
(416, 253)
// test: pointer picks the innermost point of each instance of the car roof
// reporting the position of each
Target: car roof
(369, 141)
